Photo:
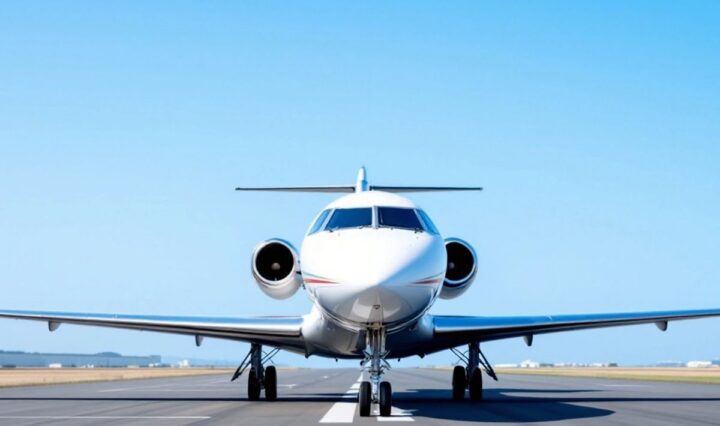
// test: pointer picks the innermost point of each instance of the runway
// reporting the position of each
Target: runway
(316, 396)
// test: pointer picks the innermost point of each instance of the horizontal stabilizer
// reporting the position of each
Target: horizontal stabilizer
(350, 189)
(423, 188)
(326, 188)
(361, 185)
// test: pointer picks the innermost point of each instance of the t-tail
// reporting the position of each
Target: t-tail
(361, 185)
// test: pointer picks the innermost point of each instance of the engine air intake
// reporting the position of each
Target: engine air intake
(461, 268)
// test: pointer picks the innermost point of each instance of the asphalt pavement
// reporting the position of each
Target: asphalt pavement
(313, 396)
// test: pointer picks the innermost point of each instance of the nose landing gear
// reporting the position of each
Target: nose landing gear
(470, 377)
(385, 398)
(365, 398)
(375, 391)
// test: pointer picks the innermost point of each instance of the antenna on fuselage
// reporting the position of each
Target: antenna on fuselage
(361, 185)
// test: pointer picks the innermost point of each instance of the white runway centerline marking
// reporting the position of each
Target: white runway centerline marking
(343, 412)
(397, 415)
(340, 412)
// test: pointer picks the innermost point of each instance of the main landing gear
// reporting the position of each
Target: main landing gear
(470, 377)
(375, 391)
(259, 377)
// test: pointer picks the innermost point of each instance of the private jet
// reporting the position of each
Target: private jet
(373, 264)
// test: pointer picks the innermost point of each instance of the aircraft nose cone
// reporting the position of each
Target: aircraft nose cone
(375, 271)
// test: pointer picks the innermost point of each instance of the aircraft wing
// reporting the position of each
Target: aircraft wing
(451, 331)
(283, 332)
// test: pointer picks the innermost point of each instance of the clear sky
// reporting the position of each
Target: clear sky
(593, 126)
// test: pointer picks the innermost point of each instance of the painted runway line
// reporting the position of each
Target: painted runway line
(344, 412)
(340, 412)
(396, 415)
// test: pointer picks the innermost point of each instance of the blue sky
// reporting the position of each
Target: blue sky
(124, 127)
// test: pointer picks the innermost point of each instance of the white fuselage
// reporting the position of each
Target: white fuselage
(373, 276)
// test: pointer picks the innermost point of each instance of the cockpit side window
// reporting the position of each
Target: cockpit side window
(397, 217)
(319, 222)
(350, 218)
(429, 225)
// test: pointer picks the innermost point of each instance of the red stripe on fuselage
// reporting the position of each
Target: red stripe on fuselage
(318, 281)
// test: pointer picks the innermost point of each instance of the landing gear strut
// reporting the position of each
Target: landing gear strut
(375, 391)
(470, 377)
(259, 377)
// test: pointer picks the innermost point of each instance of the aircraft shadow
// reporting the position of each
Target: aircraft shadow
(500, 406)
(497, 406)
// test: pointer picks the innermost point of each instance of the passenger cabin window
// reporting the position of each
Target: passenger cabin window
(350, 218)
(397, 217)
(319, 222)
(429, 225)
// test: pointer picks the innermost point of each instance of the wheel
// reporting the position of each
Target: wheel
(365, 398)
(270, 383)
(253, 386)
(476, 385)
(459, 382)
(385, 397)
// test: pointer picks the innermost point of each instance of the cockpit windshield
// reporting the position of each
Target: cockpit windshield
(319, 222)
(397, 217)
(429, 225)
(350, 218)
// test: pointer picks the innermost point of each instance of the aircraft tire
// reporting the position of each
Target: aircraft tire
(365, 398)
(476, 385)
(385, 398)
(459, 382)
(253, 386)
(270, 383)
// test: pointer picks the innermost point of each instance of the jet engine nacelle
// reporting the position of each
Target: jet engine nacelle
(276, 268)
(461, 268)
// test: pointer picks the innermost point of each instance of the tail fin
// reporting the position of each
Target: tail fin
(361, 185)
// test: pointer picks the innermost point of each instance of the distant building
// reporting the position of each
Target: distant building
(699, 364)
(529, 364)
(100, 360)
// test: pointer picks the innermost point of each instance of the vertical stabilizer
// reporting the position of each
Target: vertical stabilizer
(361, 184)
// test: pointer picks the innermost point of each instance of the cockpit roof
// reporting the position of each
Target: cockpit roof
(371, 198)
